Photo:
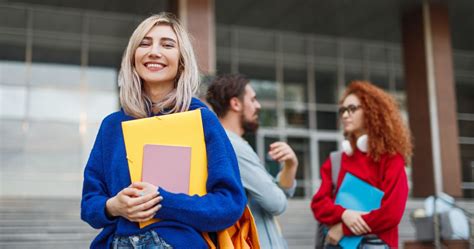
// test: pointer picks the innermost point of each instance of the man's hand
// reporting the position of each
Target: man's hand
(283, 153)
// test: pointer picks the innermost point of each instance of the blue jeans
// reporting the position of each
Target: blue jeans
(146, 240)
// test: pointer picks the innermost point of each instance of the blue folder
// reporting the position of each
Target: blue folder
(357, 195)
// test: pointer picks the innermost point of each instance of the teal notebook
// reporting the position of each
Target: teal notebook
(357, 195)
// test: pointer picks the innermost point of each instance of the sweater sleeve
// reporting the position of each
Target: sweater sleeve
(324, 209)
(94, 191)
(225, 200)
(395, 188)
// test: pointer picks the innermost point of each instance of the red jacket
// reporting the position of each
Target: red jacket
(388, 175)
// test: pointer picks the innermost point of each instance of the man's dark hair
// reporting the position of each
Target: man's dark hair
(222, 89)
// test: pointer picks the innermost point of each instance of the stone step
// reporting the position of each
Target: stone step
(55, 223)
(45, 244)
(45, 229)
(44, 236)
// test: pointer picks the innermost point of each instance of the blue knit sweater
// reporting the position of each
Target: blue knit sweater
(183, 217)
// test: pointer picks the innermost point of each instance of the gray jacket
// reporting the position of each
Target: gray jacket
(266, 198)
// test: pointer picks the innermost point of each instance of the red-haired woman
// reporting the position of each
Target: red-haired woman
(377, 147)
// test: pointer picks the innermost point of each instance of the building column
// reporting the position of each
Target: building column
(431, 97)
(198, 17)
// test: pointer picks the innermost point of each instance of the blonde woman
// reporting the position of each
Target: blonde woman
(158, 76)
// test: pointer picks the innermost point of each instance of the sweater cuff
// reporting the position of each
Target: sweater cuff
(339, 210)
(346, 230)
(102, 217)
(166, 212)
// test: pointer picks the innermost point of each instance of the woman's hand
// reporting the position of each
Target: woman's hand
(138, 202)
(353, 220)
(335, 234)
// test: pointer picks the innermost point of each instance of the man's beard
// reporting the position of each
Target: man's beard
(247, 125)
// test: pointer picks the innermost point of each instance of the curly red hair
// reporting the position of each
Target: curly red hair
(387, 132)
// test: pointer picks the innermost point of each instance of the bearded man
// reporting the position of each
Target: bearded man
(235, 102)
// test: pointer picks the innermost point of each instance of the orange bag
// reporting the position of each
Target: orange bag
(242, 235)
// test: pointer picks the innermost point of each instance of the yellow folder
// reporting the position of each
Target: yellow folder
(182, 129)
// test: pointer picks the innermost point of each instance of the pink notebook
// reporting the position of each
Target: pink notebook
(167, 166)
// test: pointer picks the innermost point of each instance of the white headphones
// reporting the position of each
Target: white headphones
(361, 144)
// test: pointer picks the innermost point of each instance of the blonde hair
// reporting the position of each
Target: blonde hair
(133, 99)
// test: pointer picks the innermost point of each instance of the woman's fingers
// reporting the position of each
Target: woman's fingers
(355, 229)
(146, 215)
(359, 227)
(363, 225)
(130, 192)
(146, 203)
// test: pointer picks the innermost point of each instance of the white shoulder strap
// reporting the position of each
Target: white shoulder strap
(336, 157)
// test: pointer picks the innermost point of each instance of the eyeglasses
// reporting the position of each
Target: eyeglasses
(350, 108)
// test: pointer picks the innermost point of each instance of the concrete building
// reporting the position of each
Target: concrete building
(59, 63)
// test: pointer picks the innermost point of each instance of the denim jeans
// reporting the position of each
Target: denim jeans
(146, 240)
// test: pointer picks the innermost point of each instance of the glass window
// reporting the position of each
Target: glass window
(397, 56)
(353, 73)
(12, 102)
(326, 87)
(465, 96)
(326, 120)
(103, 66)
(98, 104)
(399, 83)
(272, 166)
(54, 104)
(13, 73)
(325, 47)
(56, 50)
(255, 39)
(223, 37)
(463, 61)
(223, 68)
(377, 53)
(58, 21)
(466, 128)
(106, 25)
(12, 17)
(262, 80)
(251, 139)
(303, 174)
(100, 57)
(295, 85)
(265, 90)
(297, 118)
(380, 79)
(467, 167)
(64, 76)
(268, 117)
(325, 148)
(293, 43)
(353, 50)
(12, 47)
(11, 130)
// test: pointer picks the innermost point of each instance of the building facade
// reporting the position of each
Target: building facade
(59, 63)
